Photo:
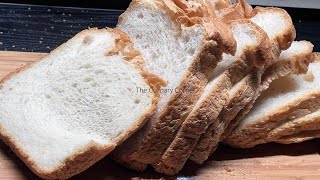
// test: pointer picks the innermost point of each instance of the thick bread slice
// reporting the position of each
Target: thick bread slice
(280, 35)
(310, 122)
(65, 112)
(252, 46)
(300, 137)
(181, 45)
(287, 98)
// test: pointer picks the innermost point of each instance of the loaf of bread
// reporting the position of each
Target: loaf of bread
(173, 80)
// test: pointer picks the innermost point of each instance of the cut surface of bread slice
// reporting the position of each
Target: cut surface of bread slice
(252, 46)
(244, 91)
(65, 112)
(286, 99)
(182, 49)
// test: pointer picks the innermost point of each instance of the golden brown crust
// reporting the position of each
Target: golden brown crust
(240, 136)
(300, 137)
(309, 122)
(90, 154)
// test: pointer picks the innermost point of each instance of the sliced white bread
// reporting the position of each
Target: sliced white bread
(287, 98)
(65, 112)
(183, 48)
(252, 45)
(280, 34)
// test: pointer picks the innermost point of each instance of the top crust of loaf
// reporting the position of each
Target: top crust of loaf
(284, 39)
(192, 13)
(93, 152)
(242, 9)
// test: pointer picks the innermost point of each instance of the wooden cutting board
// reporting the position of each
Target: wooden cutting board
(268, 161)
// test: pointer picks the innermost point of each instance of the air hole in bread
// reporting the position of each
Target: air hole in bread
(99, 71)
(94, 84)
(191, 51)
(87, 40)
(88, 79)
(154, 55)
(74, 85)
(137, 101)
(186, 39)
(48, 96)
(138, 36)
(86, 66)
(10, 89)
(140, 15)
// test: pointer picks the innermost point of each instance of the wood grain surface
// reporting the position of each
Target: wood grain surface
(268, 161)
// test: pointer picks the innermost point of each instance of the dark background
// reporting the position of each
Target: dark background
(40, 26)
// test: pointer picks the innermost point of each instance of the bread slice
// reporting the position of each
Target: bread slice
(65, 112)
(298, 126)
(300, 137)
(181, 45)
(280, 35)
(252, 45)
(286, 99)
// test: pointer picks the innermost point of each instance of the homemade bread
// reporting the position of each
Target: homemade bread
(68, 110)
(298, 126)
(252, 45)
(181, 45)
(286, 99)
(280, 35)
(300, 137)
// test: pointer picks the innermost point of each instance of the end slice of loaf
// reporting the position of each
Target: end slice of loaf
(180, 46)
(300, 137)
(68, 110)
(299, 126)
(242, 93)
(252, 45)
(287, 98)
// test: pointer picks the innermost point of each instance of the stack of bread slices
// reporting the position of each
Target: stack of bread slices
(172, 81)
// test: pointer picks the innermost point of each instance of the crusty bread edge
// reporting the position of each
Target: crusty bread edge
(300, 137)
